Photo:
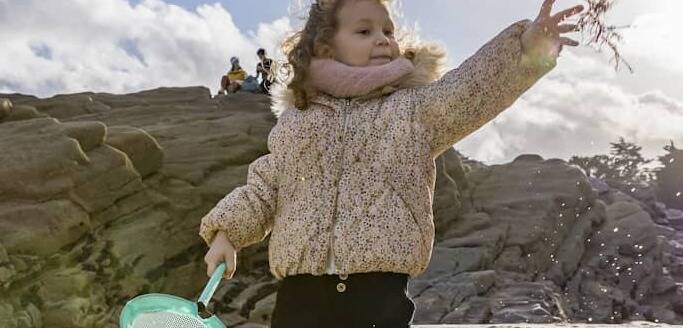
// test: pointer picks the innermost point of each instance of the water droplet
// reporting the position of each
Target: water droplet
(616, 229)
(672, 160)
(678, 194)
(633, 189)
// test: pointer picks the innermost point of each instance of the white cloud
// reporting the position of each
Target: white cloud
(573, 112)
(583, 105)
(112, 46)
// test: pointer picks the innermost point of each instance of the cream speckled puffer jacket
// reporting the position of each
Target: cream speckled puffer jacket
(354, 178)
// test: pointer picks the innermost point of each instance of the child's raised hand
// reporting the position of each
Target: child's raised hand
(221, 250)
(542, 41)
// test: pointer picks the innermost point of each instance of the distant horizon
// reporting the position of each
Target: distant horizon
(121, 47)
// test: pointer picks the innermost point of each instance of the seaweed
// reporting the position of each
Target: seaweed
(592, 26)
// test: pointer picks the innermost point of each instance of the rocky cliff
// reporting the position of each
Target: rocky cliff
(101, 197)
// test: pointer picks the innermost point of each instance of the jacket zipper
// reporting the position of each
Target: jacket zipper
(330, 252)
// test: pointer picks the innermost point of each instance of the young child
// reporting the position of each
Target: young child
(346, 190)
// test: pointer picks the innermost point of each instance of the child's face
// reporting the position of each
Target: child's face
(365, 34)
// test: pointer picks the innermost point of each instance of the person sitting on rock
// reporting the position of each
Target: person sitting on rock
(263, 68)
(232, 81)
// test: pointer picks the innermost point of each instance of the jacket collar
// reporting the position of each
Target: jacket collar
(428, 60)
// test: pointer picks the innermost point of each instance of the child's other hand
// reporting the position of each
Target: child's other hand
(221, 250)
(542, 42)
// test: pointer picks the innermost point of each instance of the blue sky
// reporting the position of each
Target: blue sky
(123, 46)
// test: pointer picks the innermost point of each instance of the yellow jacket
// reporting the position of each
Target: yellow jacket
(238, 75)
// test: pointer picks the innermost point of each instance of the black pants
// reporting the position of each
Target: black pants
(363, 300)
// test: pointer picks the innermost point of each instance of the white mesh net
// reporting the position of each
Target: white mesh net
(166, 320)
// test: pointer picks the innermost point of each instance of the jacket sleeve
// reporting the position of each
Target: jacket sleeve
(246, 214)
(474, 93)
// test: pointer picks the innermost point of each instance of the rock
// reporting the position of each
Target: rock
(263, 310)
(446, 294)
(531, 158)
(23, 112)
(525, 302)
(598, 185)
(475, 311)
(675, 218)
(90, 135)
(142, 149)
(104, 203)
(42, 228)
(5, 108)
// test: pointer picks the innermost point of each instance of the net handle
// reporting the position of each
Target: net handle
(211, 286)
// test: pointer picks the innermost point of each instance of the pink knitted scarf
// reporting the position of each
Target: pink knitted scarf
(341, 80)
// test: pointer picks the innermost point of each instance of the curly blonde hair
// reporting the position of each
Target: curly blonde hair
(315, 40)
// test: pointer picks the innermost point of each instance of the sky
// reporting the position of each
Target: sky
(583, 104)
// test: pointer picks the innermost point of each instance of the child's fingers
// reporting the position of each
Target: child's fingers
(229, 267)
(546, 8)
(562, 15)
(210, 268)
(566, 28)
